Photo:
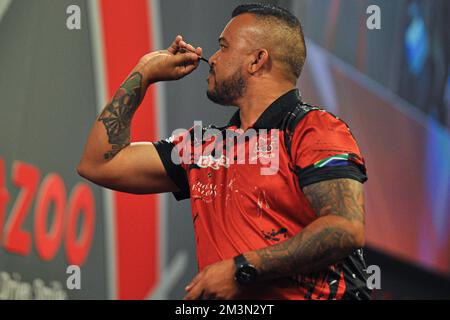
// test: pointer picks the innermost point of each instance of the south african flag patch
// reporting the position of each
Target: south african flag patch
(333, 161)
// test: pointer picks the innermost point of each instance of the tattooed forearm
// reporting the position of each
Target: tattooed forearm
(117, 115)
(343, 197)
(338, 230)
(309, 251)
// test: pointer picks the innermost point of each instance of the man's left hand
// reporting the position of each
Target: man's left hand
(216, 281)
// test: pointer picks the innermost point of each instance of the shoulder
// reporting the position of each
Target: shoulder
(198, 135)
(320, 119)
(321, 135)
(320, 127)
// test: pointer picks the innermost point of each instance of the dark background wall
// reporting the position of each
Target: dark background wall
(47, 99)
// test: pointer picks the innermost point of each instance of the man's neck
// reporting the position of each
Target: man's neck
(257, 100)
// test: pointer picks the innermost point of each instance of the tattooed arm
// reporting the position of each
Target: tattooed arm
(338, 230)
(109, 159)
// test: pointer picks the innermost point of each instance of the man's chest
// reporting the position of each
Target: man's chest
(217, 184)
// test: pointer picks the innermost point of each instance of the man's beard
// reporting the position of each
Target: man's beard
(228, 91)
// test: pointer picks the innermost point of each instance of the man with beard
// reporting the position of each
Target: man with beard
(295, 233)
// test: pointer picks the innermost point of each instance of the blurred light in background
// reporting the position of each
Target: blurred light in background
(416, 41)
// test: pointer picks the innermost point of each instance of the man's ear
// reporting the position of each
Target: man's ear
(260, 60)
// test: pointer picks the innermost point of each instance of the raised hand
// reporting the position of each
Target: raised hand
(177, 61)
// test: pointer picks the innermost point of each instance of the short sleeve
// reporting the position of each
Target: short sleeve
(171, 153)
(323, 148)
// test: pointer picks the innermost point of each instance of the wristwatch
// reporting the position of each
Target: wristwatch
(246, 273)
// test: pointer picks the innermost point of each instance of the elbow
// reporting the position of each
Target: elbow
(359, 237)
(352, 232)
(81, 170)
(360, 242)
(92, 172)
(84, 171)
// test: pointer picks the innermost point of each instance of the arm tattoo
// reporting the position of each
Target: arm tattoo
(309, 251)
(323, 242)
(117, 115)
(342, 197)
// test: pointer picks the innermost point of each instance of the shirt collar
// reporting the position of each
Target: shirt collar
(273, 115)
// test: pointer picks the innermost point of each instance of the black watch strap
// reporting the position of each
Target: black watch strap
(240, 261)
(246, 273)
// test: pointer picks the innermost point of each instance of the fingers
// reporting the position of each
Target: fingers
(185, 63)
(187, 46)
(194, 288)
(186, 59)
(199, 51)
(175, 46)
(195, 294)
(194, 281)
(179, 45)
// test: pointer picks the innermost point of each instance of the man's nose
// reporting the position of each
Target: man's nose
(212, 60)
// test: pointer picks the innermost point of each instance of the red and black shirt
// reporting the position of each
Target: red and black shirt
(236, 208)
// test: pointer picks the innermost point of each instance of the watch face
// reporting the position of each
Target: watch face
(246, 274)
